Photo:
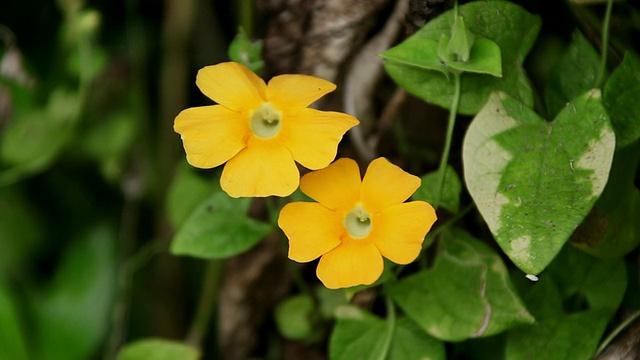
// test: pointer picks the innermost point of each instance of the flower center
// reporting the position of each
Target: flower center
(265, 121)
(358, 222)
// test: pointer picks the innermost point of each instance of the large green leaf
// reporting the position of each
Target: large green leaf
(467, 293)
(514, 29)
(158, 349)
(572, 302)
(621, 95)
(12, 337)
(612, 228)
(73, 314)
(361, 335)
(535, 181)
(572, 75)
(219, 228)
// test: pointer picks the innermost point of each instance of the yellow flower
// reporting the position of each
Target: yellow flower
(355, 223)
(260, 130)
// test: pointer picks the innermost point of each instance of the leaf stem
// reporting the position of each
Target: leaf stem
(605, 44)
(208, 299)
(391, 325)
(447, 145)
(616, 331)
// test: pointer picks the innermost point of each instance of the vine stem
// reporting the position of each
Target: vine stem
(617, 331)
(605, 44)
(391, 325)
(208, 299)
(447, 145)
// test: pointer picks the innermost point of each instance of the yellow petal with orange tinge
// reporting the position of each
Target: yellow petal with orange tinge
(385, 184)
(398, 231)
(350, 264)
(263, 168)
(232, 85)
(311, 228)
(336, 186)
(312, 136)
(293, 92)
(211, 135)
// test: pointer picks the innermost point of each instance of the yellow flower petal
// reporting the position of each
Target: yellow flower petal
(232, 85)
(336, 186)
(211, 135)
(311, 228)
(312, 136)
(385, 184)
(399, 230)
(263, 168)
(297, 91)
(350, 264)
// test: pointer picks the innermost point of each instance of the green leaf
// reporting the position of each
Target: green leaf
(484, 59)
(246, 52)
(411, 342)
(508, 25)
(612, 229)
(360, 335)
(621, 94)
(572, 303)
(219, 228)
(466, 294)
(186, 192)
(356, 335)
(12, 341)
(158, 349)
(573, 74)
(535, 181)
(73, 314)
(294, 317)
(450, 189)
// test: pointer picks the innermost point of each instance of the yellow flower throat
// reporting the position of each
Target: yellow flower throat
(265, 121)
(358, 222)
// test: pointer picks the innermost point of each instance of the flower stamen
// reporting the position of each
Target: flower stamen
(265, 121)
(357, 222)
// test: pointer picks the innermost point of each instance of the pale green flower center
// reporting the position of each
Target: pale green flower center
(358, 222)
(265, 121)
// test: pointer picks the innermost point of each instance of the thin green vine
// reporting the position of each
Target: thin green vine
(447, 146)
(391, 325)
(615, 332)
(605, 44)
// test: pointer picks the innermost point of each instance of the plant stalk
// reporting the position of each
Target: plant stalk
(447, 145)
(605, 44)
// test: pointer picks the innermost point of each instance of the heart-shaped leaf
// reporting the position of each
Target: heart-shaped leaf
(412, 63)
(467, 293)
(572, 75)
(219, 228)
(361, 335)
(535, 181)
(620, 98)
